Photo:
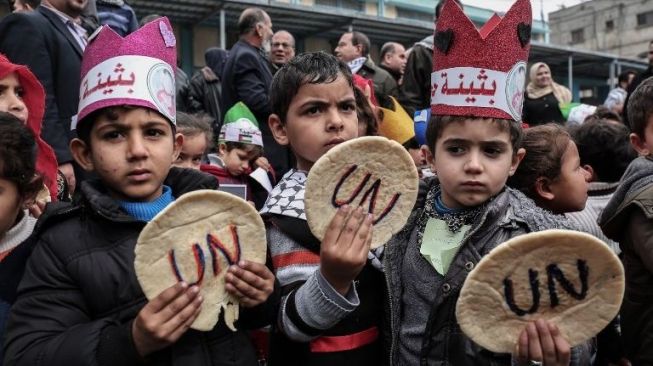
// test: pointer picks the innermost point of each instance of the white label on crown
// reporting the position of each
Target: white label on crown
(131, 77)
(477, 87)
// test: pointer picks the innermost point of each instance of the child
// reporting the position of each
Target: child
(467, 210)
(627, 220)
(22, 95)
(198, 135)
(79, 301)
(323, 319)
(19, 185)
(551, 173)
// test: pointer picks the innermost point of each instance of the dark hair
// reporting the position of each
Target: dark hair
(545, 145)
(602, 112)
(307, 68)
(438, 123)
(258, 150)
(365, 113)
(248, 20)
(148, 18)
(388, 47)
(411, 144)
(85, 126)
(623, 77)
(18, 156)
(32, 3)
(640, 107)
(440, 4)
(605, 146)
(358, 38)
(191, 125)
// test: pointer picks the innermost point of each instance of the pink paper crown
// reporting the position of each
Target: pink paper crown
(136, 70)
(480, 73)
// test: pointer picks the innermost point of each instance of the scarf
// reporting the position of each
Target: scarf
(562, 94)
(356, 64)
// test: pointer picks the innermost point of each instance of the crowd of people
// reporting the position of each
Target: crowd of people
(100, 130)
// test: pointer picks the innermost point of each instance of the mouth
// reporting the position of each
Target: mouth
(473, 184)
(139, 175)
(334, 141)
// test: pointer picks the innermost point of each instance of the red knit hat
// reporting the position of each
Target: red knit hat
(481, 73)
(34, 99)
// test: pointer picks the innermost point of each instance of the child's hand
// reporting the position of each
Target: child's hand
(166, 318)
(542, 342)
(343, 252)
(262, 162)
(36, 209)
(251, 282)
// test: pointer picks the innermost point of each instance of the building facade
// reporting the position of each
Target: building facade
(620, 27)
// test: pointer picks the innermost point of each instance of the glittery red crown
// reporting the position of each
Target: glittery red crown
(135, 70)
(481, 73)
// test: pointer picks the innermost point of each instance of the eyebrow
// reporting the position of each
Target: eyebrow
(455, 140)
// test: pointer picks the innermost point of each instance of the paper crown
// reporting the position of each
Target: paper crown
(136, 70)
(241, 126)
(480, 73)
(397, 124)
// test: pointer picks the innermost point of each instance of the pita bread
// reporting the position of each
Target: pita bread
(202, 229)
(359, 171)
(486, 317)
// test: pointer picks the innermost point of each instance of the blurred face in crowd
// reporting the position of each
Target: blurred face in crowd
(11, 97)
(192, 151)
(543, 77)
(132, 154)
(569, 189)
(319, 117)
(346, 51)
(396, 60)
(72, 8)
(283, 48)
(21, 6)
(265, 31)
(473, 159)
(10, 205)
(238, 161)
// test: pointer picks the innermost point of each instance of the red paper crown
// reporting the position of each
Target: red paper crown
(136, 70)
(480, 73)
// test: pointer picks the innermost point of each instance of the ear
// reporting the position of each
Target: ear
(516, 159)
(82, 154)
(639, 145)
(278, 129)
(543, 189)
(178, 143)
(430, 160)
(222, 148)
(590, 170)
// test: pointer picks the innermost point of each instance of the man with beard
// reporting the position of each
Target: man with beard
(50, 41)
(247, 79)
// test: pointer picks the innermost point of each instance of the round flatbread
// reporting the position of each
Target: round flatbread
(196, 239)
(570, 278)
(372, 172)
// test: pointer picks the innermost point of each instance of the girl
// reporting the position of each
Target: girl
(551, 173)
(19, 185)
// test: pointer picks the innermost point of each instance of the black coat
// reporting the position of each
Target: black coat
(40, 40)
(79, 295)
(247, 78)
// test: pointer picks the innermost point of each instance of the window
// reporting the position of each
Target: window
(609, 26)
(578, 36)
(645, 19)
(414, 15)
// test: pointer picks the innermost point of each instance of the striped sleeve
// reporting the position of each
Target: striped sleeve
(310, 304)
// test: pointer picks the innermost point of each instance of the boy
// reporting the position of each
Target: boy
(473, 146)
(79, 302)
(198, 136)
(627, 220)
(323, 319)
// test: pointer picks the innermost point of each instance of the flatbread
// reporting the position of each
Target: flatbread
(359, 171)
(202, 229)
(485, 316)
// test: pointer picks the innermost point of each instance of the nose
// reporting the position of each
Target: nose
(137, 148)
(473, 164)
(16, 104)
(334, 120)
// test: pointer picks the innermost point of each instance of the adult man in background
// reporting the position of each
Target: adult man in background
(283, 49)
(247, 78)
(354, 49)
(51, 41)
(393, 60)
(617, 96)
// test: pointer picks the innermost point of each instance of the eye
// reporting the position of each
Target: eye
(154, 132)
(197, 160)
(455, 150)
(112, 135)
(20, 93)
(312, 110)
(493, 151)
(349, 107)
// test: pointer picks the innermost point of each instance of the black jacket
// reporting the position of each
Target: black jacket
(247, 78)
(79, 295)
(40, 40)
(204, 94)
(415, 90)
